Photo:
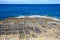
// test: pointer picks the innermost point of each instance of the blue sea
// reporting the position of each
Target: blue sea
(14, 10)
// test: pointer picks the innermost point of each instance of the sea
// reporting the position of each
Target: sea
(17, 10)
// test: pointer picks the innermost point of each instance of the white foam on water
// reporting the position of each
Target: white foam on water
(37, 16)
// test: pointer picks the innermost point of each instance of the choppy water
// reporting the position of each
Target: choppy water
(11, 10)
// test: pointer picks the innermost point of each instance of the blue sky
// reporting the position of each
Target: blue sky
(29, 1)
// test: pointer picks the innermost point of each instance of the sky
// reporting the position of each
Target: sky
(29, 1)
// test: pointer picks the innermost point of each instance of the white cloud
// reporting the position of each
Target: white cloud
(15, 0)
(25, 0)
(45, 0)
(41, 0)
(28, 1)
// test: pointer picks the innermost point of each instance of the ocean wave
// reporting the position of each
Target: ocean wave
(38, 16)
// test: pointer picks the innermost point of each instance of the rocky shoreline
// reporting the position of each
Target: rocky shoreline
(29, 29)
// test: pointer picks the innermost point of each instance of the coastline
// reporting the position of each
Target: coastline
(38, 27)
(38, 16)
(32, 16)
